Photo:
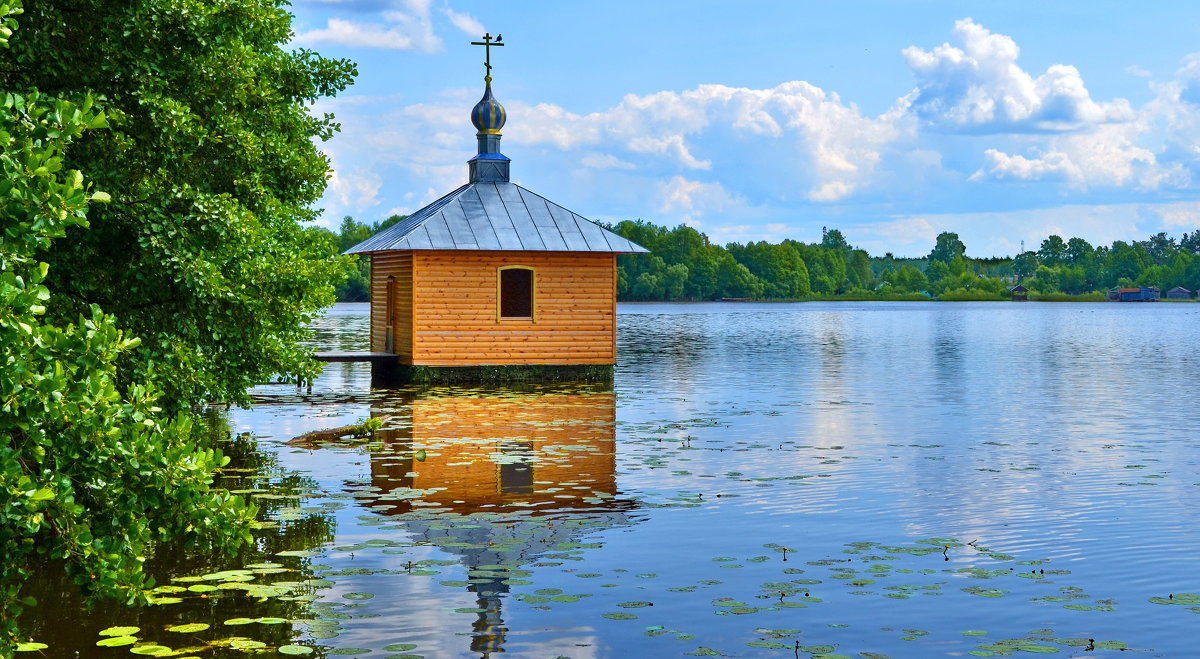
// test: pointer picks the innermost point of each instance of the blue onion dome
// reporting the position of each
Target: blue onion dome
(488, 115)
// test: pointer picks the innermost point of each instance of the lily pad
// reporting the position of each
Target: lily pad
(120, 631)
(190, 628)
(295, 650)
(117, 641)
(152, 650)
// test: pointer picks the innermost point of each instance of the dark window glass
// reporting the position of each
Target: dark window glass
(516, 293)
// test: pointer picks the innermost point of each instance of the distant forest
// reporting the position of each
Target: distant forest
(684, 265)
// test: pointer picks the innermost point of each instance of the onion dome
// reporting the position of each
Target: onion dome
(488, 115)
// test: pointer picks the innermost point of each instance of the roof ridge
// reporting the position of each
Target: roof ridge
(439, 225)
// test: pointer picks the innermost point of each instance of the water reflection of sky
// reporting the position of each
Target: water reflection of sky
(1055, 433)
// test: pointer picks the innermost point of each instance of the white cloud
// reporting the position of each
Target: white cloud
(831, 147)
(1106, 156)
(465, 22)
(977, 86)
(1182, 215)
(689, 200)
(605, 161)
(407, 29)
(350, 191)
(671, 145)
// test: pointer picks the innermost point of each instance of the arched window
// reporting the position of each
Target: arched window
(515, 293)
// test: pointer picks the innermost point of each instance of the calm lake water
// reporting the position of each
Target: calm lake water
(774, 480)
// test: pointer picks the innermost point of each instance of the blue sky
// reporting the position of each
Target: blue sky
(1004, 121)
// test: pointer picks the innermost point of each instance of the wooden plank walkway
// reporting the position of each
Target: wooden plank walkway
(337, 356)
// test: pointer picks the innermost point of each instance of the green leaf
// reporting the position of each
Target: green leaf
(42, 495)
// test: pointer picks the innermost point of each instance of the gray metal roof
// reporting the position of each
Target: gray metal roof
(496, 215)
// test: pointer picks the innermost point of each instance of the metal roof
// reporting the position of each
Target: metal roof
(496, 215)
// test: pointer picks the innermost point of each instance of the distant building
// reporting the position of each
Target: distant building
(1019, 293)
(1143, 294)
(1179, 293)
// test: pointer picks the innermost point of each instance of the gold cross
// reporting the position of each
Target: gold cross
(487, 44)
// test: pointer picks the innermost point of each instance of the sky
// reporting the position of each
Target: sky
(1004, 121)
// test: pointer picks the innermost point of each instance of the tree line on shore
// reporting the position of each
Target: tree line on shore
(683, 264)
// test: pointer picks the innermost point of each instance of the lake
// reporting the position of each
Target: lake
(778, 480)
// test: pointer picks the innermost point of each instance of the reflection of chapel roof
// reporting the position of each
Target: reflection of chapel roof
(496, 215)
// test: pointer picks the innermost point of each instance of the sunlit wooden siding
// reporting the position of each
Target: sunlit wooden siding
(454, 309)
(399, 266)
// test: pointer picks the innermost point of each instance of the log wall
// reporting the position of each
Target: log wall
(454, 312)
(397, 265)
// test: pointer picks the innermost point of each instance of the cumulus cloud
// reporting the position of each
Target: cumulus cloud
(1106, 156)
(832, 148)
(1180, 215)
(690, 200)
(465, 22)
(409, 28)
(977, 86)
(350, 190)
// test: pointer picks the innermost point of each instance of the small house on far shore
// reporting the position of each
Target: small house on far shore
(1019, 293)
(493, 281)
(1179, 293)
(1136, 294)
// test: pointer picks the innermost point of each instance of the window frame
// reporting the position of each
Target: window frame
(532, 317)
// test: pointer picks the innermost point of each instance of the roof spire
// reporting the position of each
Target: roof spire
(488, 117)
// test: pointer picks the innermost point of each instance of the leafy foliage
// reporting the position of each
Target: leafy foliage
(174, 271)
(89, 475)
(209, 158)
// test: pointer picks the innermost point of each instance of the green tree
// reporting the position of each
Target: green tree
(210, 159)
(1190, 242)
(1046, 280)
(90, 475)
(1125, 262)
(937, 271)
(909, 279)
(782, 271)
(1025, 264)
(204, 155)
(1053, 251)
(1161, 247)
(833, 239)
(734, 280)
(947, 247)
(1079, 251)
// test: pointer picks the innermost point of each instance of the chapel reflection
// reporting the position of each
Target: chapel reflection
(500, 479)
